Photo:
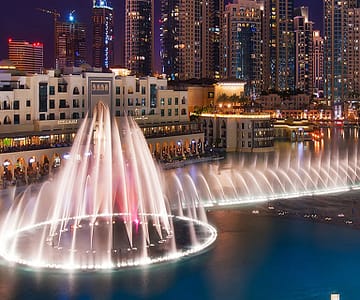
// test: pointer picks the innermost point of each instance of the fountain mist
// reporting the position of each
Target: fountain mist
(268, 176)
(106, 209)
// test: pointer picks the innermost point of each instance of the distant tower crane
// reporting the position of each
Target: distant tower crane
(55, 15)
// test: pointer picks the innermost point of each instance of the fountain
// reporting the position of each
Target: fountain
(105, 210)
(261, 177)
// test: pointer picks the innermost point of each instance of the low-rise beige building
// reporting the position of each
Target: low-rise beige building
(40, 115)
(246, 132)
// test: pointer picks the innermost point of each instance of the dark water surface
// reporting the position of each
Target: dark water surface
(254, 257)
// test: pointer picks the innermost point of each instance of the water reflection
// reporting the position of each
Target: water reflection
(255, 257)
(293, 170)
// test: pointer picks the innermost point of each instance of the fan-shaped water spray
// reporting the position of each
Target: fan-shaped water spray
(267, 176)
(106, 209)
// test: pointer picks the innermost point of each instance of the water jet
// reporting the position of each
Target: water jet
(106, 209)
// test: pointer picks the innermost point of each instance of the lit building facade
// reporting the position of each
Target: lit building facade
(70, 43)
(354, 53)
(239, 132)
(241, 50)
(215, 38)
(229, 88)
(303, 50)
(103, 34)
(139, 30)
(278, 30)
(27, 57)
(277, 103)
(190, 39)
(318, 62)
(169, 36)
(335, 57)
(45, 111)
(49, 98)
(200, 96)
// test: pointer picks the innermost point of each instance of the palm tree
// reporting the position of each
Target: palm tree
(222, 98)
(234, 99)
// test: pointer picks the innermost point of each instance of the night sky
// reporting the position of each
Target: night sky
(21, 20)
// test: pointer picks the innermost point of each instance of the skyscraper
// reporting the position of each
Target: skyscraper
(318, 62)
(169, 37)
(241, 50)
(335, 57)
(354, 3)
(70, 43)
(353, 53)
(189, 38)
(279, 45)
(139, 40)
(303, 50)
(103, 34)
(27, 57)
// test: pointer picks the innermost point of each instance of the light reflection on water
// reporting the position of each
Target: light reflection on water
(255, 257)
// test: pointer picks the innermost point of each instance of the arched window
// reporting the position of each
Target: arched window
(7, 120)
(76, 91)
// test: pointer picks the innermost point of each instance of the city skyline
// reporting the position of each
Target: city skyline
(28, 14)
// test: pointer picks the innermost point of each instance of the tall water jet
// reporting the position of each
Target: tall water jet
(106, 209)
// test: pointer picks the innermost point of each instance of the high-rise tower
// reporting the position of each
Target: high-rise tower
(318, 62)
(70, 43)
(103, 34)
(303, 50)
(139, 40)
(189, 38)
(169, 36)
(335, 57)
(353, 53)
(27, 57)
(241, 51)
(279, 45)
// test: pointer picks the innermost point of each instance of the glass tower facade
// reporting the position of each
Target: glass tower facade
(103, 34)
(303, 51)
(139, 36)
(241, 55)
(335, 58)
(190, 38)
(279, 45)
(70, 44)
(169, 37)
